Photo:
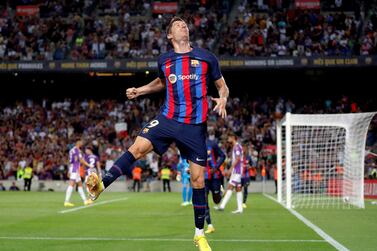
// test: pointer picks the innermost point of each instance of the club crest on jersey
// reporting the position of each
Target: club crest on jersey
(172, 78)
(194, 63)
(145, 130)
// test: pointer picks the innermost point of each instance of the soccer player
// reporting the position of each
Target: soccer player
(236, 170)
(185, 73)
(93, 160)
(245, 178)
(215, 158)
(75, 159)
(184, 176)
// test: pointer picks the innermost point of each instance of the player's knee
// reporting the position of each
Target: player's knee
(136, 151)
(197, 181)
(216, 198)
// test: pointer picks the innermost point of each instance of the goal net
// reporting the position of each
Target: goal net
(321, 160)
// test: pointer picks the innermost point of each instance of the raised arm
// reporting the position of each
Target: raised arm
(155, 85)
(223, 97)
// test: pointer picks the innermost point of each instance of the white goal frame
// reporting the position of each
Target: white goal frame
(355, 126)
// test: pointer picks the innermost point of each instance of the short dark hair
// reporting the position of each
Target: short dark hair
(174, 19)
(232, 134)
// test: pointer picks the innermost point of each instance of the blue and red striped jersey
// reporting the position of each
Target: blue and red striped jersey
(215, 158)
(187, 76)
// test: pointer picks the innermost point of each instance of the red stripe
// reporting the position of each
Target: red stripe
(204, 91)
(170, 91)
(186, 89)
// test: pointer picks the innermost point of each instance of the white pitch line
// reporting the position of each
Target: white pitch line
(315, 228)
(92, 205)
(137, 239)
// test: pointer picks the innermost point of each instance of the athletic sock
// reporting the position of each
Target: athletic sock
(239, 201)
(122, 166)
(199, 203)
(68, 193)
(227, 196)
(82, 194)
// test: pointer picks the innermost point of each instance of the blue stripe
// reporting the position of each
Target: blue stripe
(166, 105)
(180, 90)
(199, 93)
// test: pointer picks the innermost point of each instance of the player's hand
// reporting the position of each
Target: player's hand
(220, 106)
(132, 93)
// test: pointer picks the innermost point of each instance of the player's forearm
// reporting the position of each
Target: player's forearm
(85, 163)
(155, 86)
(222, 88)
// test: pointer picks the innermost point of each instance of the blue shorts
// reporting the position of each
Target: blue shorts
(190, 139)
(245, 181)
(213, 186)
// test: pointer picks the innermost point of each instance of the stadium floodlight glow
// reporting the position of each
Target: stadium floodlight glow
(320, 160)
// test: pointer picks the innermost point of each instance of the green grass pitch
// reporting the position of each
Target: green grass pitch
(156, 221)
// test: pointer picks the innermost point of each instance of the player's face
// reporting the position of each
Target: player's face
(179, 31)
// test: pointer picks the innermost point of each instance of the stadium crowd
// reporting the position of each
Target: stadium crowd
(299, 33)
(114, 29)
(40, 134)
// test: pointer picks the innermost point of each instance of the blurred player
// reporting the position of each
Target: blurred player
(245, 178)
(215, 158)
(75, 159)
(184, 176)
(185, 73)
(236, 170)
(93, 160)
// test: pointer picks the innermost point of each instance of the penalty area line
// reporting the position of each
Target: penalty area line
(92, 205)
(314, 227)
(139, 239)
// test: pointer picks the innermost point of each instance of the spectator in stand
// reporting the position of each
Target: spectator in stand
(14, 187)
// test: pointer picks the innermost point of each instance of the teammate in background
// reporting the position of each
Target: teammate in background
(245, 179)
(75, 159)
(184, 176)
(185, 73)
(215, 158)
(236, 170)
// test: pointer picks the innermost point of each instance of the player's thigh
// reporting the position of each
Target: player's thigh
(140, 147)
(157, 135)
(191, 142)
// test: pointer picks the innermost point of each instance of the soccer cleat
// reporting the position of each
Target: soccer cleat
(237, 212)
(88, 202)
(218, 208)
(184, 204)
(244, 205)
(94, 186)
(201, 243)
(69, 204)
(210, 230)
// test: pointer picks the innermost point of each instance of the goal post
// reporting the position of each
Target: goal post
(320, 159)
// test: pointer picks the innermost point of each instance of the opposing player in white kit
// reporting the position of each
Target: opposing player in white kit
(75, 159)
(235, 178)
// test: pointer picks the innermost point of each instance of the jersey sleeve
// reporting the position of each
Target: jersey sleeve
(161, 73)
(214, 68)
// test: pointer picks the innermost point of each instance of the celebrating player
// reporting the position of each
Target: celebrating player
(185, 73)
